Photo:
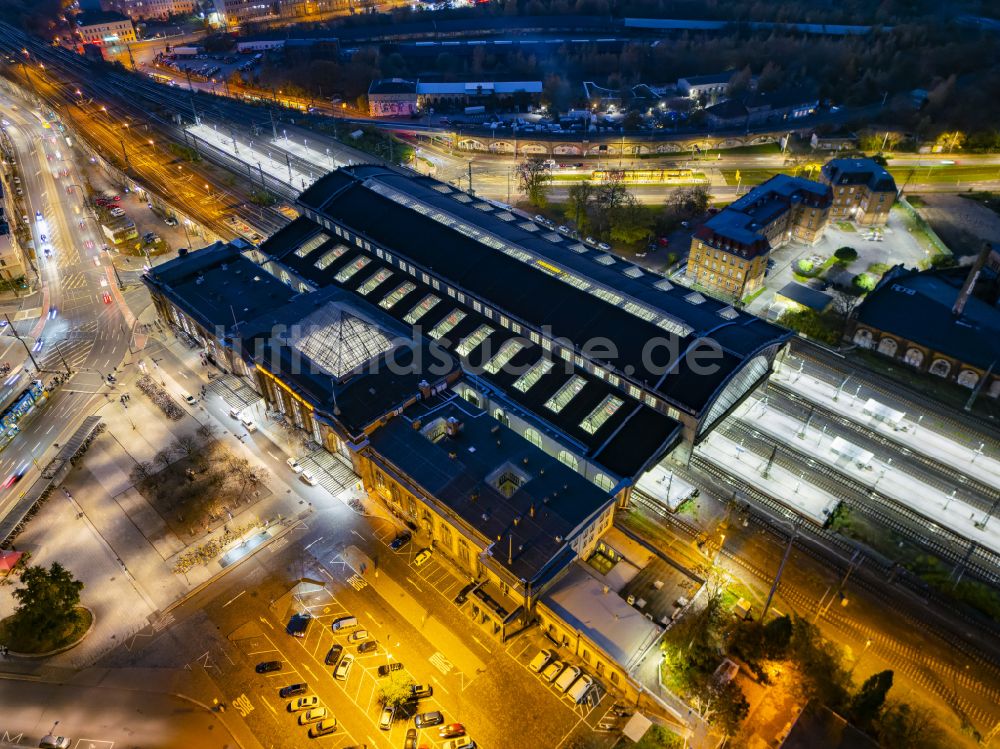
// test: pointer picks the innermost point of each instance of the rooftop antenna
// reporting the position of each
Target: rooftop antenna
(333, 389)
(510, 549)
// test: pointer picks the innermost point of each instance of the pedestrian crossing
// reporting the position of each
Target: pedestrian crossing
(73, 281)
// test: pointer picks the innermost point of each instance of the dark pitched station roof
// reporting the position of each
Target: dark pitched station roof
(534, 524)
(917, 306)
(859, 172)
(623, 444)
(541, 278)
(392, 86)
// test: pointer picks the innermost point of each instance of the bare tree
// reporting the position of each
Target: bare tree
(844, 306)
(141, 471)
(164, 457)
(580, 196)
(187, 446)
(207, 431)
(533, 178)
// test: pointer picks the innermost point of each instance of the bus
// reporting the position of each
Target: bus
(646, 176)
(161, 78)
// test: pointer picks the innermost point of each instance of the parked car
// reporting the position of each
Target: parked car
(266, 667)
(368, 646)
(410, 742)
(323, 728)
(434, 718)
(567, 677)
(451, 731)
(580, 688)
(333, 655)
(248, 423)
(303, 703)
(344, 668)
(298, 625)
(294, 465)
(358, 635)
(385, 719)
(541, 660)
(421, 691)
(292, 690)
(312, 716)
(401, 540)
(387, 668)
(552, 671)
(309, 478)
(463, 594)
(422, 558)
(463, 743)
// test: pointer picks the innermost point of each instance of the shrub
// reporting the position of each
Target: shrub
(846, 254)
(863, 282)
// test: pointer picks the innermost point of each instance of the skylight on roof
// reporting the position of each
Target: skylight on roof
(605, 259)
(351, 268)
(390, 299)
(461, 197)
(505, 216)
(376, 279)
(421, 308)
(728, 313)
(672, 325)
(607, 296)
(507, 352)
(633, 272)
(311, 244)
(327, 258)
(485, 207)
(442, 188)
(694, 297)
(663, 285)
(553, 236)
(472, 341)
(640, 311)
(595, 420)
(529, 226)
(565, 394)
(338, 342)
(578, 248)
(442, 328)
(539, 369)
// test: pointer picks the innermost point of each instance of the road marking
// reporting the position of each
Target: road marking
(311, 543)
(410, 581)
(356, 582)
(357, 534)
(441, 663)
(440, 685)
(243, 705)
(233, 598)
(265, 621)
(273, 455)
(269, 707)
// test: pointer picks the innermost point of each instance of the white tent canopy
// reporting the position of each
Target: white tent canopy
(852, 452)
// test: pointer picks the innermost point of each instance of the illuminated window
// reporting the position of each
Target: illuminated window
(533, 375)
(421, 308)
(328, 257)
(312, 244)
(443, 327)
(507, 352)
(376, 279)
(352, 268)
(565, 394)
(394, 296)
(595, 420)
(471, 342)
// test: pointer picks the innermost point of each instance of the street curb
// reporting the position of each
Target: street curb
(206, 708)
(65, 648)
(225, 570)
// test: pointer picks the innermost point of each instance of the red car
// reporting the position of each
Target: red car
(107, 298)
(451, 731)
(12, 479)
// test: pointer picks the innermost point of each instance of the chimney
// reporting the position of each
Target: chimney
(605, 589)
(531, 510)
(425, 389)
(970, 281)
(453, 426)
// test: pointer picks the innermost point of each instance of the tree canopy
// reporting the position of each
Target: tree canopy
(47, 599)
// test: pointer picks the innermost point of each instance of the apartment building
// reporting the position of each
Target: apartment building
(105, 28)
(729, 252)
(863, 191)
(139, 10)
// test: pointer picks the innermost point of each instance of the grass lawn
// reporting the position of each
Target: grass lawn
(750, 176)
(34, 642)
(847, 225)
(751, 297)
(195, 495)
(944, 173)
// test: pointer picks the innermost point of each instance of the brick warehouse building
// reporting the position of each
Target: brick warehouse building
(512, 452)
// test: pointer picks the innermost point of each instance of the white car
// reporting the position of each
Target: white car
(308, 477)
(385, 719)
(344, 667)
(294, 465)
(303, 703)
(580, 688)
(567, 677)
(463, 742)
(248, 423)
(552, 671)
(540, 661)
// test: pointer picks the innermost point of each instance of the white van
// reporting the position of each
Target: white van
(344, 622)
(187, 397)
(540, 661)
(248, 423)
(580, 687)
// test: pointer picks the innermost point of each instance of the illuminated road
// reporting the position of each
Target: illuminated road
(76, 326)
